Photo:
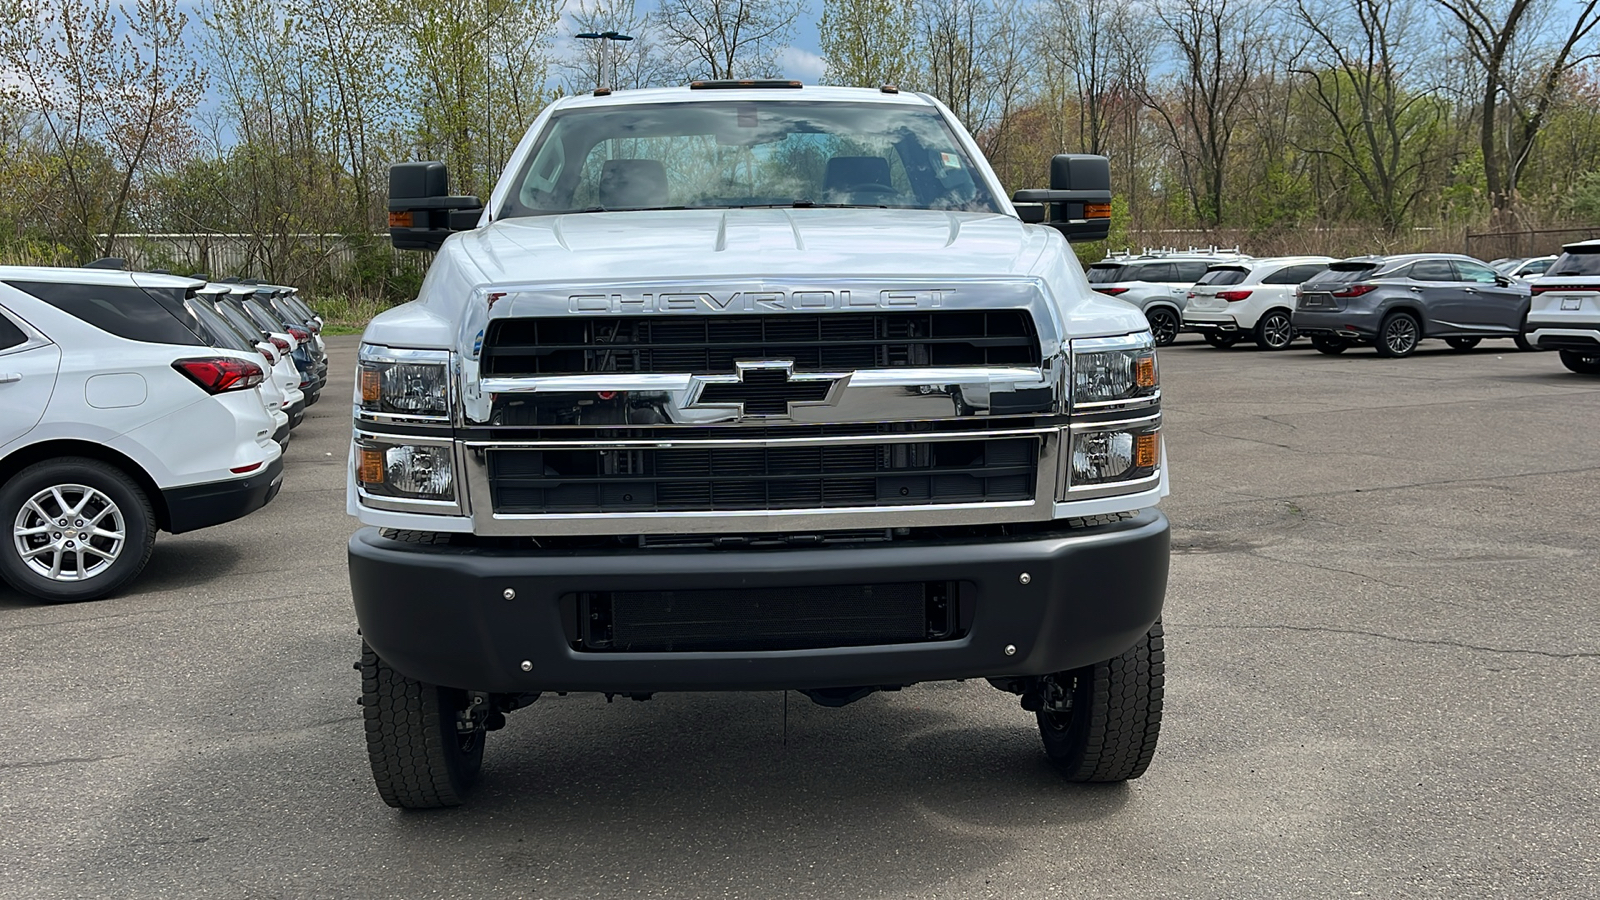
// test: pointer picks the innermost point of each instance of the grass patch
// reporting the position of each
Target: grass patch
(346, 313)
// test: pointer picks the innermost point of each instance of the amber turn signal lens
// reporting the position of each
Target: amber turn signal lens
(1097, 210)
(1147, 450)
(400, 220)
(371, 466)
(371, 385)
(1144, 372)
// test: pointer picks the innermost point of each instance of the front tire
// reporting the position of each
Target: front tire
(420, 758)
(1274, 331)
(78, 529)
(1582, 362)
(1164, 324)
(1110, 731)
(1399, 335)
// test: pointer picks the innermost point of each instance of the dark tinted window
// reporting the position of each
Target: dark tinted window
(240, 321)
(10, 334)
(258, 314)
(1155, 272)
(1343, 273)
(1536, 267)
(1583, 262)
(127, 312)
(1228, 275)
(1433, 270)
(1294, 274)
(286, 311)
(295, 303)
(1190, 272)
(1475, 272)
(220, 332)
(1105, 274)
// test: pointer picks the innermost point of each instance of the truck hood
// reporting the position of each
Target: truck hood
(747, 243)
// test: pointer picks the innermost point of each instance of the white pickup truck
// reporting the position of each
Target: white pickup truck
(754, 386)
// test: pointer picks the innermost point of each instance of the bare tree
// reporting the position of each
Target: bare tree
(1376, 126)
(112, 90)
(1220, 50)
(1491, 33)
(635, 64)
(727, 38)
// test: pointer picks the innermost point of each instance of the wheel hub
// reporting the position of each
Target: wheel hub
(69, 532)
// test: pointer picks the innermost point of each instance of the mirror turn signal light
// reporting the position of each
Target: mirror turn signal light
(1144, 372)
(1097, 210)
(371, 471)
(400, 219)
(1147, 450)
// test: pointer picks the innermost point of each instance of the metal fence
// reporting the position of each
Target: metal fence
(1530, 242)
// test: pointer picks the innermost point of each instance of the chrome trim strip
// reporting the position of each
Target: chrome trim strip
(1118, 425)
(479, 495)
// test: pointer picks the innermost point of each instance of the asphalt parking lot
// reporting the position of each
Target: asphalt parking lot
(1384, 657)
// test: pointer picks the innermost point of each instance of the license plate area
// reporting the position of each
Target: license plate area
(1571, 303)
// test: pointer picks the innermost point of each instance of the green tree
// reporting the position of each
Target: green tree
(869, 43)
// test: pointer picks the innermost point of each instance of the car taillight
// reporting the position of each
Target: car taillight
(281, 344)
(217, 375)
(1355, 290)
(300, 334)
(1231, 296)
(1112, 291)
(1547, 288)
(267, 355)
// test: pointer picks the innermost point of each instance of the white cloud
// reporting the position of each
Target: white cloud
(802, 64)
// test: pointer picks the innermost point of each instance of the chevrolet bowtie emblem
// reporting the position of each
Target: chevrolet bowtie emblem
(765, 388)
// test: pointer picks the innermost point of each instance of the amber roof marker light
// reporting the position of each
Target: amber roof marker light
(729, 84)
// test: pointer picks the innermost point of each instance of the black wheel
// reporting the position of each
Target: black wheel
(1463, 343)
(1220, 340)
(1109, 729)
(1399, 335)
(79, 530)
(1164, 324)
(1581, 362)
(424, 753)
(1524, 344)
(1329, 344)
(1274, 331)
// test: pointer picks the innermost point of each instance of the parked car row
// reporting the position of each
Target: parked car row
(132, 402)
(1391, 303)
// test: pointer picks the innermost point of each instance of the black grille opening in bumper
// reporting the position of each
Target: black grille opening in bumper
(680, 479)
(756, 619)
(709, 345)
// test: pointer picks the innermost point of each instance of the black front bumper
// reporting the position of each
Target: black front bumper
(203, 505)
(297, 413)
(440, 615)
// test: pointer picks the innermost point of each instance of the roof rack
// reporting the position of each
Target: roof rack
(727, 84)
(1127, 253)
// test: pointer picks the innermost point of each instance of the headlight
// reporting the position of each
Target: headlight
(406, 471)
(1109, 457)
(407, 383)
(1113, 371)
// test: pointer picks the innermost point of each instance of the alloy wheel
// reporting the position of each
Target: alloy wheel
(69, 532)
(1400, 335)
(1276, 331)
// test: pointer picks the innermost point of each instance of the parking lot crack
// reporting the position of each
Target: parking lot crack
(65, 761)
(1430, 642)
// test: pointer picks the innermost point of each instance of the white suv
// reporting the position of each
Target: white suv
(1250, 299)
(116, 419)
(1158, 282)
(1565, 313)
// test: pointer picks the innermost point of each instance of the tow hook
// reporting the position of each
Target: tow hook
(1048, 695)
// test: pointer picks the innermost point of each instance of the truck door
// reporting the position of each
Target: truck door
(28, 363)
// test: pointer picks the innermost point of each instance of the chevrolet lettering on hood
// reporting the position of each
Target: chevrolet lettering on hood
(753, 301)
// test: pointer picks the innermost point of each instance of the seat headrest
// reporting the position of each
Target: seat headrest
(632, 183)
(845, 172)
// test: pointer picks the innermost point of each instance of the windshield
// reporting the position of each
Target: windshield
(1342, 272)
(732, 154)
(1230, 275)
(221, 333)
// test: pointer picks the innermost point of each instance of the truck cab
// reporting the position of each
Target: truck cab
(754, 386)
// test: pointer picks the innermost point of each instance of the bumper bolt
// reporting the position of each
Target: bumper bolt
(527, 665)
(509, 594)
(1011, 649)
(1025, 578)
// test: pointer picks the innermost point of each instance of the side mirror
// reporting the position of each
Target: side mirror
(421, 211)
(1078, 203)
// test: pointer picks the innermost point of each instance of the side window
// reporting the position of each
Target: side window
(10, 334)
(1476, 272)
(1156, 272)
(1294, 274)
(1536, 267)
(1434, 270)
(1190, 272)
(127, 312)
